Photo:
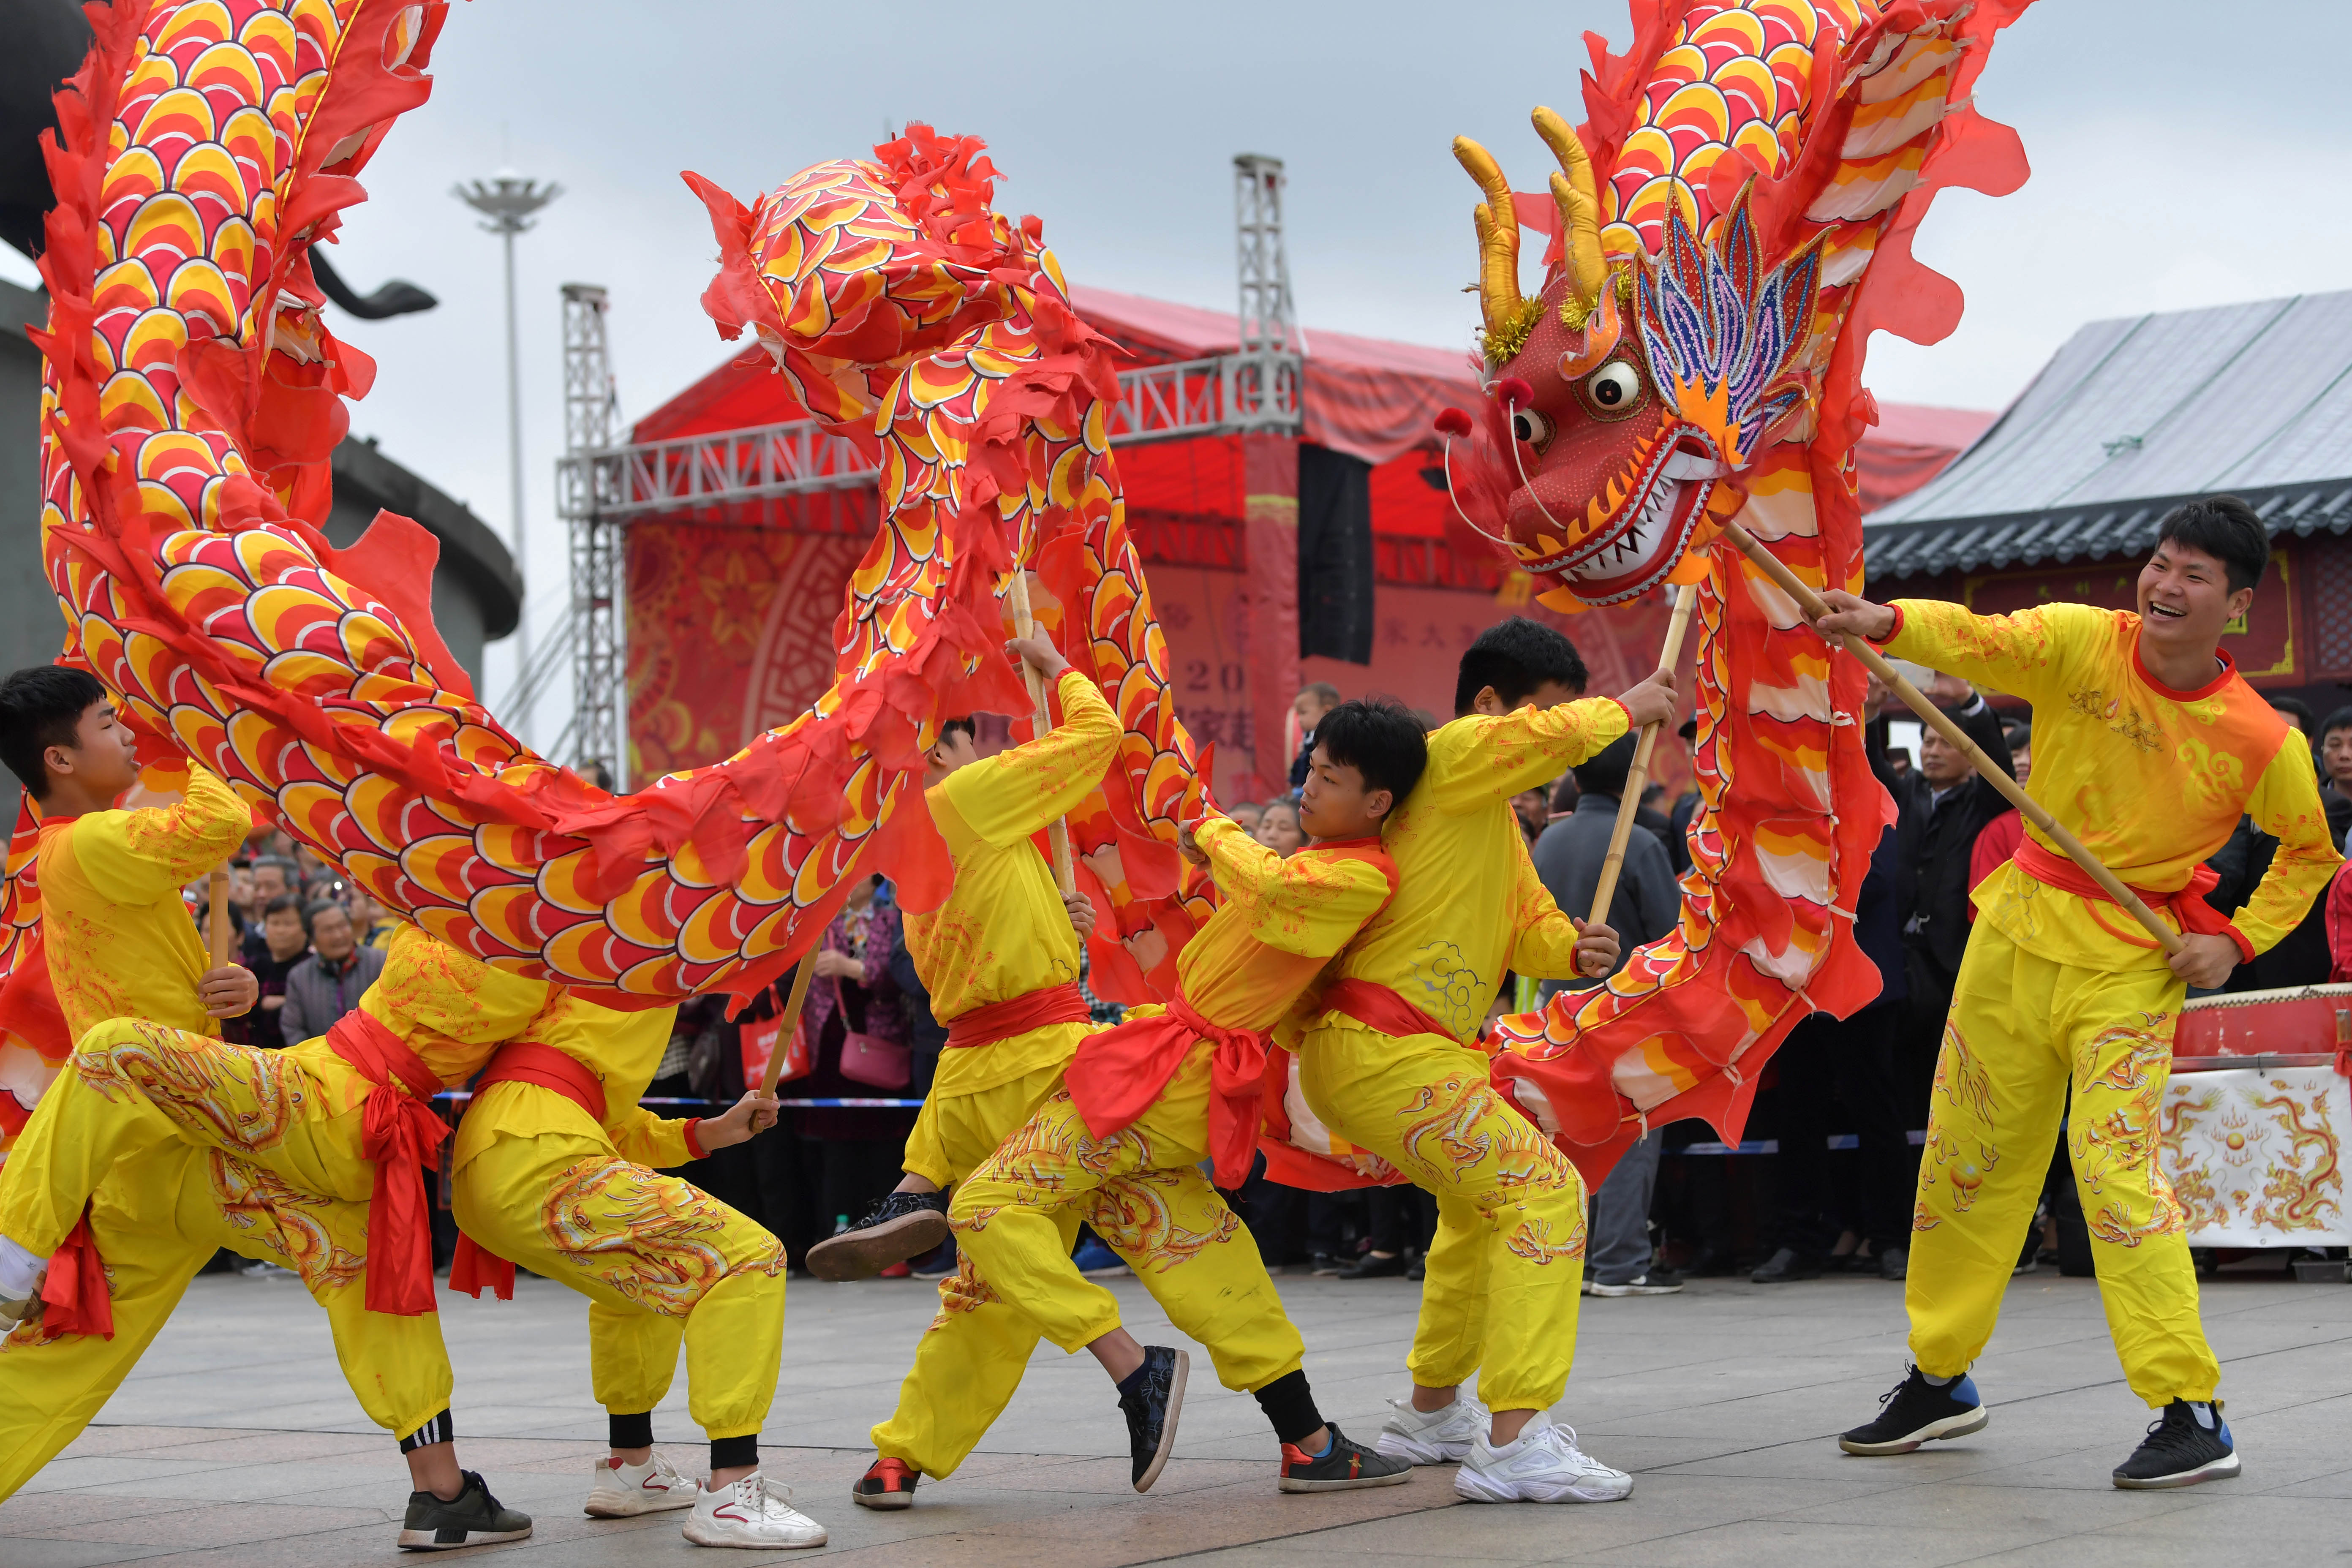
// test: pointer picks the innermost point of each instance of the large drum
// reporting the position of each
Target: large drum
(2300, 1020)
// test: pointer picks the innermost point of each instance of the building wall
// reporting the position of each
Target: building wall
(477, 593)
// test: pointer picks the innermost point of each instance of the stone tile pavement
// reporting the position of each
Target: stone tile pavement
(235, 1442)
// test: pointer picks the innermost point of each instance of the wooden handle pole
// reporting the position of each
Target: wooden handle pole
(217, 930)
(1956, 738)
(1024, 623)
(793, 1004)
(1637, 778)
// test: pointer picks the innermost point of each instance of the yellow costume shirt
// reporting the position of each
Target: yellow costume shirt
(120, 941)
(1001, 932)
(1444, 941)
(1279, 924)
(2151, 780)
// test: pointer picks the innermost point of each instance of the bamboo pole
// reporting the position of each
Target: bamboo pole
(1954, 736)
(1637, 778)
(218, 928)
(801, 978)
(1024, 623)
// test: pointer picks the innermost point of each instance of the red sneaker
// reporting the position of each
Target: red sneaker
(887, 1483)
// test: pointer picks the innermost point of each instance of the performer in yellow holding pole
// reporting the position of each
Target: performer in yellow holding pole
(1000, 957)
(1149, 1100)
(1388, 1067)
(2149, 747)
(554, 1169)
(158, 1143)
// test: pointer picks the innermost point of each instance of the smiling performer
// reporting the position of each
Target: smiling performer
(1389, 1065)
(2148, 746)
(1148, 1099)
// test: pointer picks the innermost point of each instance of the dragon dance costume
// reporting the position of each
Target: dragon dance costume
(553, 1170)
(1001, 961)
(168, 1144)
(1150, 1099)
(2060, 986)
(1389, 1065)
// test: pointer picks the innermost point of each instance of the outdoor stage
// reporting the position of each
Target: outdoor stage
(235, 1442)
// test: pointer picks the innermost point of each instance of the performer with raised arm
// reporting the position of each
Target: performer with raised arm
(159, 1143)
(554, 1169)
(1151, 1098)
(1389, 1065)
(2148, 746)
(1000, 957)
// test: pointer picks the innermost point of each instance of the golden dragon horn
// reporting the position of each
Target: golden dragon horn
(1579, 217)
(1498, 218)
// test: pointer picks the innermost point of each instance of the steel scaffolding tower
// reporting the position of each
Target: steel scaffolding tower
(1262, 391)
(584, 492)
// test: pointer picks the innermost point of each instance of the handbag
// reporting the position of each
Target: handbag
(760, 1042)
(878, 1064)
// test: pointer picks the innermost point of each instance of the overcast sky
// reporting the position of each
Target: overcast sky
(2183, 156)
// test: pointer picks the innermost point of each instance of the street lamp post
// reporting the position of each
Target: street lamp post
(508, 201)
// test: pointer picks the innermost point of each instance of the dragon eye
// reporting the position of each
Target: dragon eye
(1614, 388)
(1531, 427)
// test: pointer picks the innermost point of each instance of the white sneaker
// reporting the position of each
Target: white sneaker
(754, 1511)
(618, 1491)
(1544, 1465)
(1434, 1437)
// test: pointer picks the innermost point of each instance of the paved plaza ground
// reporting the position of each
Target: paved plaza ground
(235, 1442)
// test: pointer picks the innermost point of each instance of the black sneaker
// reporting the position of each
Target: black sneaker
(1418, 1267)
(2179, 1450)
(887, 1483)
(1344, 1468)
(1372, 1265)
(902, 1226)
(1916, 1411)
(1894, 1263)
(936, 1264)
(1651, 1281)
(1151, 1395)
(474, 1518)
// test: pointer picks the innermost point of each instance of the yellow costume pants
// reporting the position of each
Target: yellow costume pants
(1503, 1273)
(659, 1260)
(2022, 1029)
(972, 1358)
(180, 1145)
(1142, 1190)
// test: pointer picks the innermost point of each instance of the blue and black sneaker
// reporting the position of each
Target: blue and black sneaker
(1151, 1396)
(1916, 1411)
(2188, 1444)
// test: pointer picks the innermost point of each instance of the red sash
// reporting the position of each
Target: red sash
(1018, 1016)
(2186, 904)
(74, 1299)
(402, 1134)
(475, 1267)
(1376, 1007)
(1119, 1072)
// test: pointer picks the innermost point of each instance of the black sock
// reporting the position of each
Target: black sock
(1133, 1381)
(630, 1431)
(440, 1429)
(1289, 1404)
(727, 1453)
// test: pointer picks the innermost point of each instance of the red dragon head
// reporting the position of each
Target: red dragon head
(1622, 399)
